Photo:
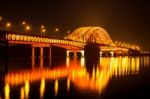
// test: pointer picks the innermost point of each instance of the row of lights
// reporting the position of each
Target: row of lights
(122, 44)
(27, 27)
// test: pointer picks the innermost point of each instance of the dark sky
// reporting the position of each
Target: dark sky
(125, 20)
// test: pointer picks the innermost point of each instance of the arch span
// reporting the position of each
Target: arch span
(84, 34)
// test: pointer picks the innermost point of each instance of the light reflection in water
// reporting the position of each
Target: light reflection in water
(67, 61)
(82, 62)
(56, 86)
(42, 88)
(68, 84)
(27, 89)
(7, 91)
(75, 72)
(22, 93)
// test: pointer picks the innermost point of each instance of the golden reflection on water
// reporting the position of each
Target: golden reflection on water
(42, 88)
(56, 87)
(7, 91)
(22, 93)
(75, 71)
(27, 89)
(68, 84)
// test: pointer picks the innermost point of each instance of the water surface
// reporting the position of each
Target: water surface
(112, 77)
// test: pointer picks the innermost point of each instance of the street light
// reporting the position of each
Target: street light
(43, 31)
(56, 29)
(23, 23)
(68, 31)
(42, 26)
(8, 24)
(27, 28)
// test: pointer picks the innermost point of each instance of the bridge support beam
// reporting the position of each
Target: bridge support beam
(75, 54)
(41, 52)
(41, 62)
(33, 52)
(112, 54)
(41, 57)
(68, 53)
(101, 54)
(33, 62)
(50, 55)
(82, 53)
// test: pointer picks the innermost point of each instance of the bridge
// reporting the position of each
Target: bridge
(74, 42)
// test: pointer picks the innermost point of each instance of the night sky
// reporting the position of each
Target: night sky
(124, 20)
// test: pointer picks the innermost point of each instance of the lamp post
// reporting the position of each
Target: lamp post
(23, 23)
(68, 31)
(56, 29)
(8, 25)
(27, 28)
(43, 30)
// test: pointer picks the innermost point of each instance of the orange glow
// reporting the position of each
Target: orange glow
(34, 75)
(77, 74)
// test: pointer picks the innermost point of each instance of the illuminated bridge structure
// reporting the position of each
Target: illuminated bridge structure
(74, 42)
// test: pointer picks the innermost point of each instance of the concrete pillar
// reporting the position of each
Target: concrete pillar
(41, 62)
(75, 54)
(67, 61)
(33, 62)
(112, 54)
(33, 52)
(41, 52)
(41, 57)
(82, 53)
(50, 55)
(68, 53)
(101, 54)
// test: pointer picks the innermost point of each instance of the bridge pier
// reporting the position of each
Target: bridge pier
(41, 52)
(75, 54)
(68, 53)
(101, 54)
(82, 53)
(33, 52)
(112, 54)
(50, 55)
